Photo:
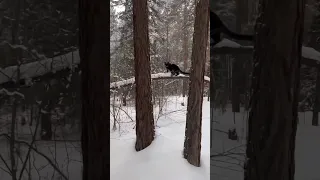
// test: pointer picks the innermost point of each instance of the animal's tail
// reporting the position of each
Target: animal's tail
(185, 73)
(238, 36)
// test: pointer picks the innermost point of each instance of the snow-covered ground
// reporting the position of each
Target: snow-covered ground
(64, 155)
(229, 155)
(163, 159)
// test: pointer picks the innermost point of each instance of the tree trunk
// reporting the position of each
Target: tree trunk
(192, 143)
(124, 98)
(31, 115)
(212, 90)
(241, 14)
(316, 106)
(212, 95)
(94, 26)
(144, 109)
(45, 112)
(275, 84)
(46, 125)
(16, 53)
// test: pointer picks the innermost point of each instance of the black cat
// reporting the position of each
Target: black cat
(174, 69)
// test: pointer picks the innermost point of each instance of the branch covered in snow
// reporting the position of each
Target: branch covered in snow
(230, 44)
(41, 67)
(157, 76)
(6, 92)
(33, 52)
(307, 52)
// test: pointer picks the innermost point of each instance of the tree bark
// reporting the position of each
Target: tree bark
(94, 28)
(46, 125)
(192, 143)
(316, 105)
(16, 8)
(275, 84)
(212, 90)
(144, 109)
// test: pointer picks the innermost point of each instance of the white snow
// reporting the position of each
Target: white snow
(206, 78)
(37, 68)
(307, 52)
(64, 154)
(153, 76)
(163, 159)
(231, 44)
(6, 92)
(310, 53)
(14, 46)
(227, 165)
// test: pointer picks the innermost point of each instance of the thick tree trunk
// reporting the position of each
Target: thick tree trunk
(144, 109)
(273, 116)
(192, 143)
(16, 53)
(45, 112)
(95, 60)
(212, 95)
(316, 106)
(31, 115)
(212, 90)
(46, 125)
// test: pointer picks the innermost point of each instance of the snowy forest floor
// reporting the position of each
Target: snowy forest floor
(64, 152)
(64, 155)
(163, 159)
(227, 164)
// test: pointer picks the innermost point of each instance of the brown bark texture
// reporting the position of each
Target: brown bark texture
(94, 25)
(192, 143)
(275, 84)
(144, 109)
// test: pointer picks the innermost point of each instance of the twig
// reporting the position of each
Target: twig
(6, 164)
(40, 153)
(29, 150)
(238, 164)
(225, 168)
(228, 152)
(124, 112)
(5, 170)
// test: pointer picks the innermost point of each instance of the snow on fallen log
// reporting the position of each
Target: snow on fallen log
(230, 44)
(307, 52)
(130, 81)
(8, 93)
(310, 53)
(41, 67)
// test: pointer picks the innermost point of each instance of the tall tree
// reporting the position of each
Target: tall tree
(144, 108)
(192, 143)
(275, 84)
(95, 59)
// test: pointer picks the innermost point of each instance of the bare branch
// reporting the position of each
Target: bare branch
(39, 153)
(6, 164)
(29, 150)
